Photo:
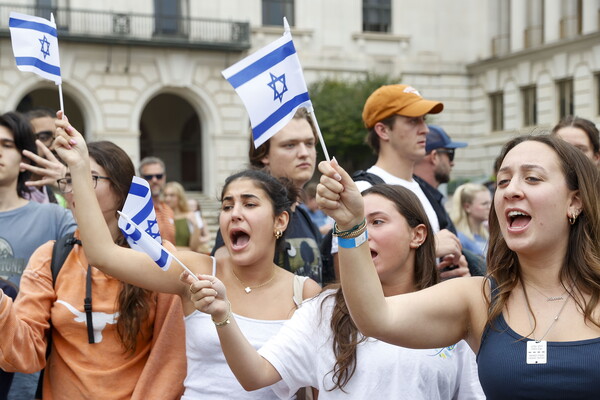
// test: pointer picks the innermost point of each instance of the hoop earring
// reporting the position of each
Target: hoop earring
(573, 218)
(278, 234)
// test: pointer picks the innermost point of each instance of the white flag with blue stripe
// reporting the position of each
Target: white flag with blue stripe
(271, 84)
(35, 45)
(139, 226)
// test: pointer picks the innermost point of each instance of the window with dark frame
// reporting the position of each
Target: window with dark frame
(497, 110)
(377, 16)
(566, 104)
(273, 12)
(529, 101)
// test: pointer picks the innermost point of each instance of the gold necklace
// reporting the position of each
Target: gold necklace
(549, 298)
(248, 288)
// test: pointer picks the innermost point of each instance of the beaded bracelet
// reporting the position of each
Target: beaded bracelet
(226, 321)
(352, 232)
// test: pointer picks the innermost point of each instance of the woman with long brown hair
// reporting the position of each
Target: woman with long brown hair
(321, 347)
(127, 347)
(534, 320)
(254, 215)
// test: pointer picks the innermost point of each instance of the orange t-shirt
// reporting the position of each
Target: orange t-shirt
(77, 369)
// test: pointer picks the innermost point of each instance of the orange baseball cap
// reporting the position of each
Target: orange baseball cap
(403, 100)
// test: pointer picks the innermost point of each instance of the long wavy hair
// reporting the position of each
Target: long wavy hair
(581, 264)
(133, 303)
(346, 336)
(179, 191)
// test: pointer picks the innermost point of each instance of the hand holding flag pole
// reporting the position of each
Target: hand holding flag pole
(138, 223)
(271, 84)
(35, 46)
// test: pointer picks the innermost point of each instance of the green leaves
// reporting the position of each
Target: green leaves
(338, 107)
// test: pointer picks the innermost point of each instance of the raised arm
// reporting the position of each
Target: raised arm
(251, 370)
(98, 240)
(435, 317)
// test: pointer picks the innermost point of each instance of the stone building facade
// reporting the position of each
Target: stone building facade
(146, 74)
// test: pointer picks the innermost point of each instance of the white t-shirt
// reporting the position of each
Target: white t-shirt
(413, 186)
(302, 353)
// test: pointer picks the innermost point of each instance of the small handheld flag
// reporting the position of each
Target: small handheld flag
(138, 223)
(271, 85)
(35, 45)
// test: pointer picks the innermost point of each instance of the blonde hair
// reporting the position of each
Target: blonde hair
(465, 194)
(180, 193)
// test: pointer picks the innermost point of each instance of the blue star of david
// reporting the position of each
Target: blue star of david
(278, 94)
(150, 231)
(45, 47)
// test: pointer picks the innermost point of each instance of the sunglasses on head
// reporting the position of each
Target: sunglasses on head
(149, 177)
(450, 153)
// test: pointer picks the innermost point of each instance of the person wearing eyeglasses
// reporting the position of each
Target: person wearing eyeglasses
(46, 167)
(153, 170)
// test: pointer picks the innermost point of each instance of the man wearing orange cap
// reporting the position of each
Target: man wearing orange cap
(395, 118)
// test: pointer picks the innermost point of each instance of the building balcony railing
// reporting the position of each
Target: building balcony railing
(570, 26)
(533, 36)
(142, 29)
(500, 45)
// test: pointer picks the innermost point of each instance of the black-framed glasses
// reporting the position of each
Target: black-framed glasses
(65, 185)
(44, 136)
(149, 177)
(450, 153)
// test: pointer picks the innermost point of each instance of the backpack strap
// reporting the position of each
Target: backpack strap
(362, 175)
(60, 252)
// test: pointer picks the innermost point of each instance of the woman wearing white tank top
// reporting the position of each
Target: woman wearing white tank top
(254, 216)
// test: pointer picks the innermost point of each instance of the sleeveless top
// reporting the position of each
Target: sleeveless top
(182, 232)
(208, 375)
(572, 371)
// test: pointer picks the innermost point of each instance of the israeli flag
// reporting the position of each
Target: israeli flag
(138, 223)
(271, 84)
(35, 45)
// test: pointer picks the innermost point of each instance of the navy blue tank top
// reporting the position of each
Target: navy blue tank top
(572, 371)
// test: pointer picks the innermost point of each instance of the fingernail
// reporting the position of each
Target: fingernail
(69, 128)
(72, 141)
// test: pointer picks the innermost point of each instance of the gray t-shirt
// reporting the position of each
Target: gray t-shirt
(26, 228)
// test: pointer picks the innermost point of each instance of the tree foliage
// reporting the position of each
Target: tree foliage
(338, 107)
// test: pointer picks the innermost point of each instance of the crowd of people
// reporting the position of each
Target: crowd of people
(347, 285)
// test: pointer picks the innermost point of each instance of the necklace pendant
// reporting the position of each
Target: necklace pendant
(247, 289)
(555, 298)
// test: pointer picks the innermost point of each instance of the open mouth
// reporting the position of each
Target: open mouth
(374, 254)
(518, 219)
(239, 239)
